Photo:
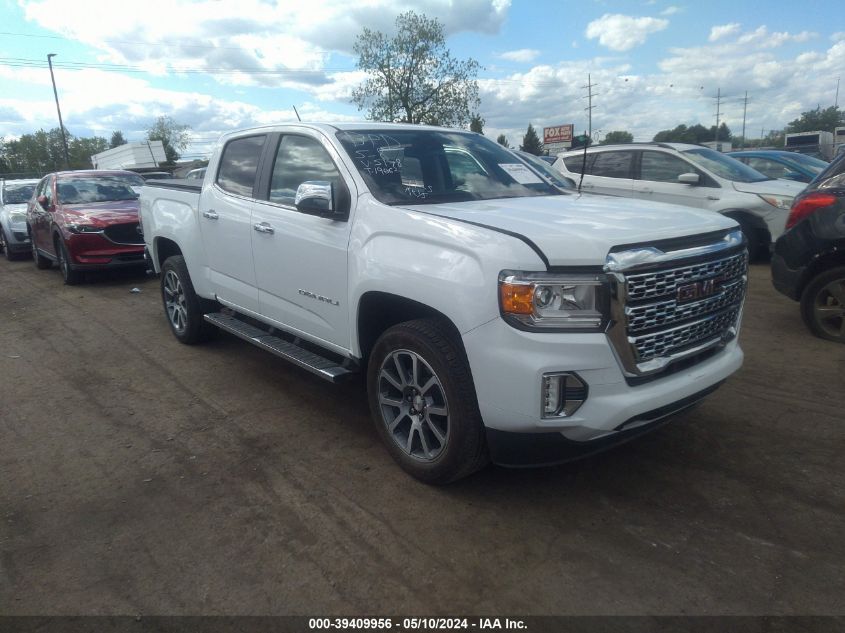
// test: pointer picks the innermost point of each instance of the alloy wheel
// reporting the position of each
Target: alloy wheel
(174, 301)
(829, 308)
(413, 405)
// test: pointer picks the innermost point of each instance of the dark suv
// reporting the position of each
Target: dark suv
(808, 264)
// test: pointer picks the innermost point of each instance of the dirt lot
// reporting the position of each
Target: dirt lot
(140, 476)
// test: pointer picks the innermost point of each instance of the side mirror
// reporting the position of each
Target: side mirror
(794, 175)
(689, 179)
(42, 201)
(316, 197)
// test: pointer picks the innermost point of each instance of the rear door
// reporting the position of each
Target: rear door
(301, 259)
(611, 172)
(225, 219)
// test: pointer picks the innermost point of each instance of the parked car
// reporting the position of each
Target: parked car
(546, 171)
(493, 315)
(14, 195)
(779, 164)
(85, 220)
(808, 264)
(690, 175)
(196, 174)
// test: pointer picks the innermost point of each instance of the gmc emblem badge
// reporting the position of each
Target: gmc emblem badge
(697, 290)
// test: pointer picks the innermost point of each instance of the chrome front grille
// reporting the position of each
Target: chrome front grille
(669, 306)
(666, 282)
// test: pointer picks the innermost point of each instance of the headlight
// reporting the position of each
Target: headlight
(549, 302)
(779, 202)
(17, 218)
(82, 228)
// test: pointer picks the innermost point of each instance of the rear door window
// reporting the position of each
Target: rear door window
(612, 165)
(239, 165)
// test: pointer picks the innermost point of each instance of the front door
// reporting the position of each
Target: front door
(658, 181)
(300, 259)
(41, 216)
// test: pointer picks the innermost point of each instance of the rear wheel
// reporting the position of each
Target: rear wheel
(823, 305)
(182, 306)
(41, 262)
(423, 402)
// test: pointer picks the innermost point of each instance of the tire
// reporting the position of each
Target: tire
(756, 249)
(4, 246)
(70, 276)
(823, 304)
(41, 262)
(427, 418)
(182, 307)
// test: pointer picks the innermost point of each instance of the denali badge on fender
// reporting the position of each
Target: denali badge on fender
(307, 293)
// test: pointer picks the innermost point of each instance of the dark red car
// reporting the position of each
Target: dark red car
(86, 220)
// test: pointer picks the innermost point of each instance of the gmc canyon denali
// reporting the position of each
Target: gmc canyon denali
(497, 317)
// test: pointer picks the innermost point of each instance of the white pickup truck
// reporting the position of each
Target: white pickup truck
(496, 316)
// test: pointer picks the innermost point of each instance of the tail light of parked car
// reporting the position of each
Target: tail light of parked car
(808, 205)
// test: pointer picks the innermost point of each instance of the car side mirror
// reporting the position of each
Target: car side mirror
(689, 179)
(317, 197)
(43, 202)
(794, 175)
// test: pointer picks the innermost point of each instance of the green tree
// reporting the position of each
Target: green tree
(117, 139)
(617, 136)
(413, 77)
(503, 140)
(174, 136)
(817, 120)
(476, 123)
(531, 142)
(81, 149)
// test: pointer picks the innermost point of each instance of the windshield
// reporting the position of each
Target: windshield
(96, 189)
(426, 166)
(808, 162)
(549, 173)
(18, 194)
(724, 166)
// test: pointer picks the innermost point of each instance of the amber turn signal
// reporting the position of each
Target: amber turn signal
(517, 298)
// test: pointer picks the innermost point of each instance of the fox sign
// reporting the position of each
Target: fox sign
(557, 134)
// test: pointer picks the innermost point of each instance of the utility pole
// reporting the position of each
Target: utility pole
(718, 103)
(590, 94)
(744, 110)
(58, 109)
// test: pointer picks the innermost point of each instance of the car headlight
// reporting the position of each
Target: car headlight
(82, 228)
(779, 202)
(17, 218)
(550, 302)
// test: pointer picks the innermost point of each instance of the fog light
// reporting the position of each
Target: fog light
(562, 394)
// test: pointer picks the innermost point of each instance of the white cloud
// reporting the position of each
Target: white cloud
(724, 30)
(670, 10)
(623, 32)
(521, 55)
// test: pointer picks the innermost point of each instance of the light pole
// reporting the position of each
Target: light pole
(58, 109)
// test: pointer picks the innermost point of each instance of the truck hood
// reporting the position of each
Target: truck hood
(579, 230)
(778, 187)
(101, 213)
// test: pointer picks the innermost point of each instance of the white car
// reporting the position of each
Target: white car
(690, 175)
(14, 238)
(494, 315)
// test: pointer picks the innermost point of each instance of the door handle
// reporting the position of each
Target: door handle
(646, 190)
(712, 197)
(263, 227)
(211, 214)
(587, 186)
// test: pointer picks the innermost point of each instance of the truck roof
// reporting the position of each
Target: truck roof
(331, 127)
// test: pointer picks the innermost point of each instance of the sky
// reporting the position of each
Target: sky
(228, 64)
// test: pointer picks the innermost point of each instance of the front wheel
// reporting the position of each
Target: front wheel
(423, 402)
(183, 307)
(70, 276)
(823, 305)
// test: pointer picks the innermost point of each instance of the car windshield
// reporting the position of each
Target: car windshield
(724, 166)
(808, 162)
(18, 194)
(427, 166)
(96, 189)
(547, 172)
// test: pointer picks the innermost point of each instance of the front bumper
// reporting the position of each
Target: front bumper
(17, 240)
(508, 365)
(93, 252)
